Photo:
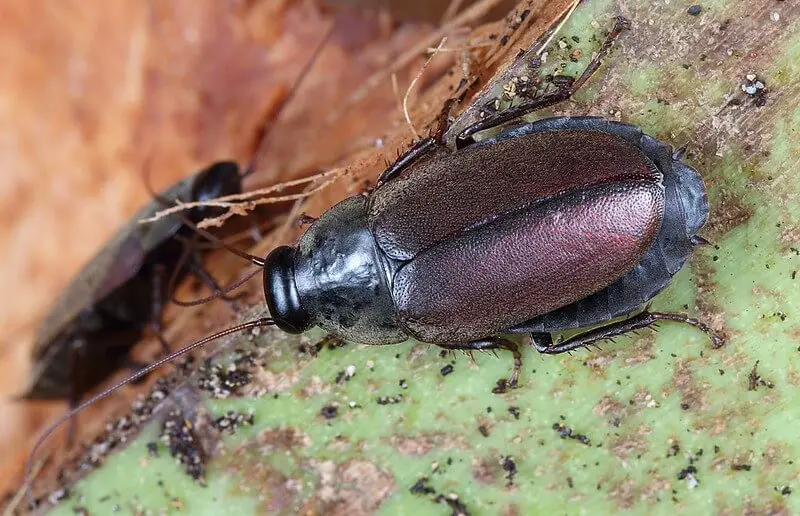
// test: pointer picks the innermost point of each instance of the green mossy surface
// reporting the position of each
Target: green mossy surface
(653, 424)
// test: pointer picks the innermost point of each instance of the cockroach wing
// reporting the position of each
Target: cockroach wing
(685, 213)
(450, 192)
(119, 261)
(527, 262)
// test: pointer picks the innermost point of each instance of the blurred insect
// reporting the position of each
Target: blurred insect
(98, 318)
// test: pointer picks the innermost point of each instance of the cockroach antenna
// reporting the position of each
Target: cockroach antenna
(258, 323)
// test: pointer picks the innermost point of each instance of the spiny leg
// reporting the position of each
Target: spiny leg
(420, 148)
(562, 94)
(196, 267)
(543, 342)
(492, 343)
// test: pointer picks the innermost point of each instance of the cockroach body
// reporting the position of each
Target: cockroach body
(104, 311)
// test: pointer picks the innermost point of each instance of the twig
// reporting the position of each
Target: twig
(233, 201)
(558, 27)
(414, 83)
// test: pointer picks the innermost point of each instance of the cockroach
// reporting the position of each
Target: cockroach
(559, 224)
(99, 317)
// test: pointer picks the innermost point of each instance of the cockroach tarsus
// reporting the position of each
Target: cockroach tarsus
(523, 232)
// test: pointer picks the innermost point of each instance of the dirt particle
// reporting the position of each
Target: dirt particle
(510, 467)
(694, 10)
(755, 89)
(329, 411)
(500, 387)
(452, 500)
(232, 420)
(224, 380)
(152, 449)
(566, 432)
(686, 472)
(179, 435)
(421, 487)
(389, 400)
(754, 380)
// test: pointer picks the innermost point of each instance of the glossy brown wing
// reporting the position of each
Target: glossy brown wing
(528, 262)
(449, 192)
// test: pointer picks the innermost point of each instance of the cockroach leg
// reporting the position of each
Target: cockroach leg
(543, 342)
(157, 305)
(196, 267)
(418, 150)
(422, 147)
(494, 120)
(492, 343)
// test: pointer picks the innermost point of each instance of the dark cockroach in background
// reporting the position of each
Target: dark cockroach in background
(103, 313)
(560, 224)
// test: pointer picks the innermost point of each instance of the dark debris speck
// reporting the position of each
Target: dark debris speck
(741, 467)
(514, 411)
(389, 400)
(223, 380)
(501, 386)
(694, 10)
(510, 467)
(454, 502)
(178, 434)
(421, 487)
(754, 380)
(673, 450)
(329, 411)
(566, 432)
(152, 449)
(684, 473)
(232, 420)
(756, 89)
